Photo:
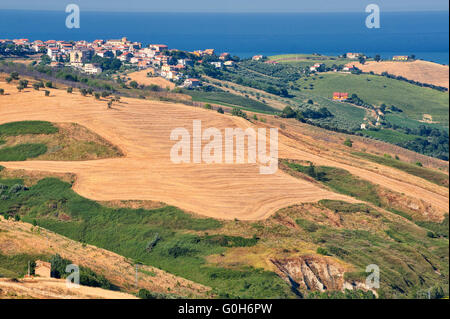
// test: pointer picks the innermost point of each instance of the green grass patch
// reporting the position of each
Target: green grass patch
(22, 152)
(340, 181)
(229, 99)
(27, 127)
(344, 207)
(422, 172)
(307, 225)
(390, 136)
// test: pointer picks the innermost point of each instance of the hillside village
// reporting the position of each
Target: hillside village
(79, 55)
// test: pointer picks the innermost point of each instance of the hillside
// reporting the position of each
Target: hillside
(22, 239)
(329, 210)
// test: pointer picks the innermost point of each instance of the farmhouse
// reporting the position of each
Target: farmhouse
(191, 83)
(43, 269)
(257, 58)
(352, 55)
(400, 58)
(340, 96)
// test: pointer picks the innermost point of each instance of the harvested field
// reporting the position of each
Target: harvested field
(142, 78)
(421, 71)
(141, 129)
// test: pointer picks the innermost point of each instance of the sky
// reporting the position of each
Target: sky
(228, 5)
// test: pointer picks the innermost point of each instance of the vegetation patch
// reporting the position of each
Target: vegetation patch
(27, 127)
(22, 152)
(65, 141)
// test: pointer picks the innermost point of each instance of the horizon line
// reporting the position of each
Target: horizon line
(247, 12)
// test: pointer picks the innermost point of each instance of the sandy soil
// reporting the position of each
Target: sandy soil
(421, 71)
(19, 238)
(141, 129)
(50, 288)
(142, 78)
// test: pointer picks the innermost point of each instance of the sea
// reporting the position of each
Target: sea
(425, 34)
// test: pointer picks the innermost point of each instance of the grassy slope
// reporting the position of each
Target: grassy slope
(376, 90)
(229, 99)
(425, 173)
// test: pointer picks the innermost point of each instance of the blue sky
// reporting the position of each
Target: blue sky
(229, 5)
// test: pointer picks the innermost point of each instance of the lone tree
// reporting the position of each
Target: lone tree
(49, 84)
(2, 91)
(20, 87)
(348, 142)
(134, 84)
(97, 95)
(47, 93)
(36, 86)
(220, 110)
(14, 75)
(24, 83)
(8, 79)
(110, 103)
(69, 89)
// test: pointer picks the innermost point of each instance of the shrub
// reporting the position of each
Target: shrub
(69, 89)
(97, 96)
(419, 164)
(47, 93)
(2, 91)
(49, 84)
(8, 79)
(24, 83)
(322, 251)
(208, 106)
(238, 112)
(36, 86)
(348, 142)
(220, 110)
(134, 84)
(20, 87)
(14, 76)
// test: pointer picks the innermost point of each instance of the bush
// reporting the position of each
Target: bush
(69, 89)
(97, 96)
(49, 84)
(322, 251)
(348, 142)
(220, 110)
(2, 91)
(47, 93)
